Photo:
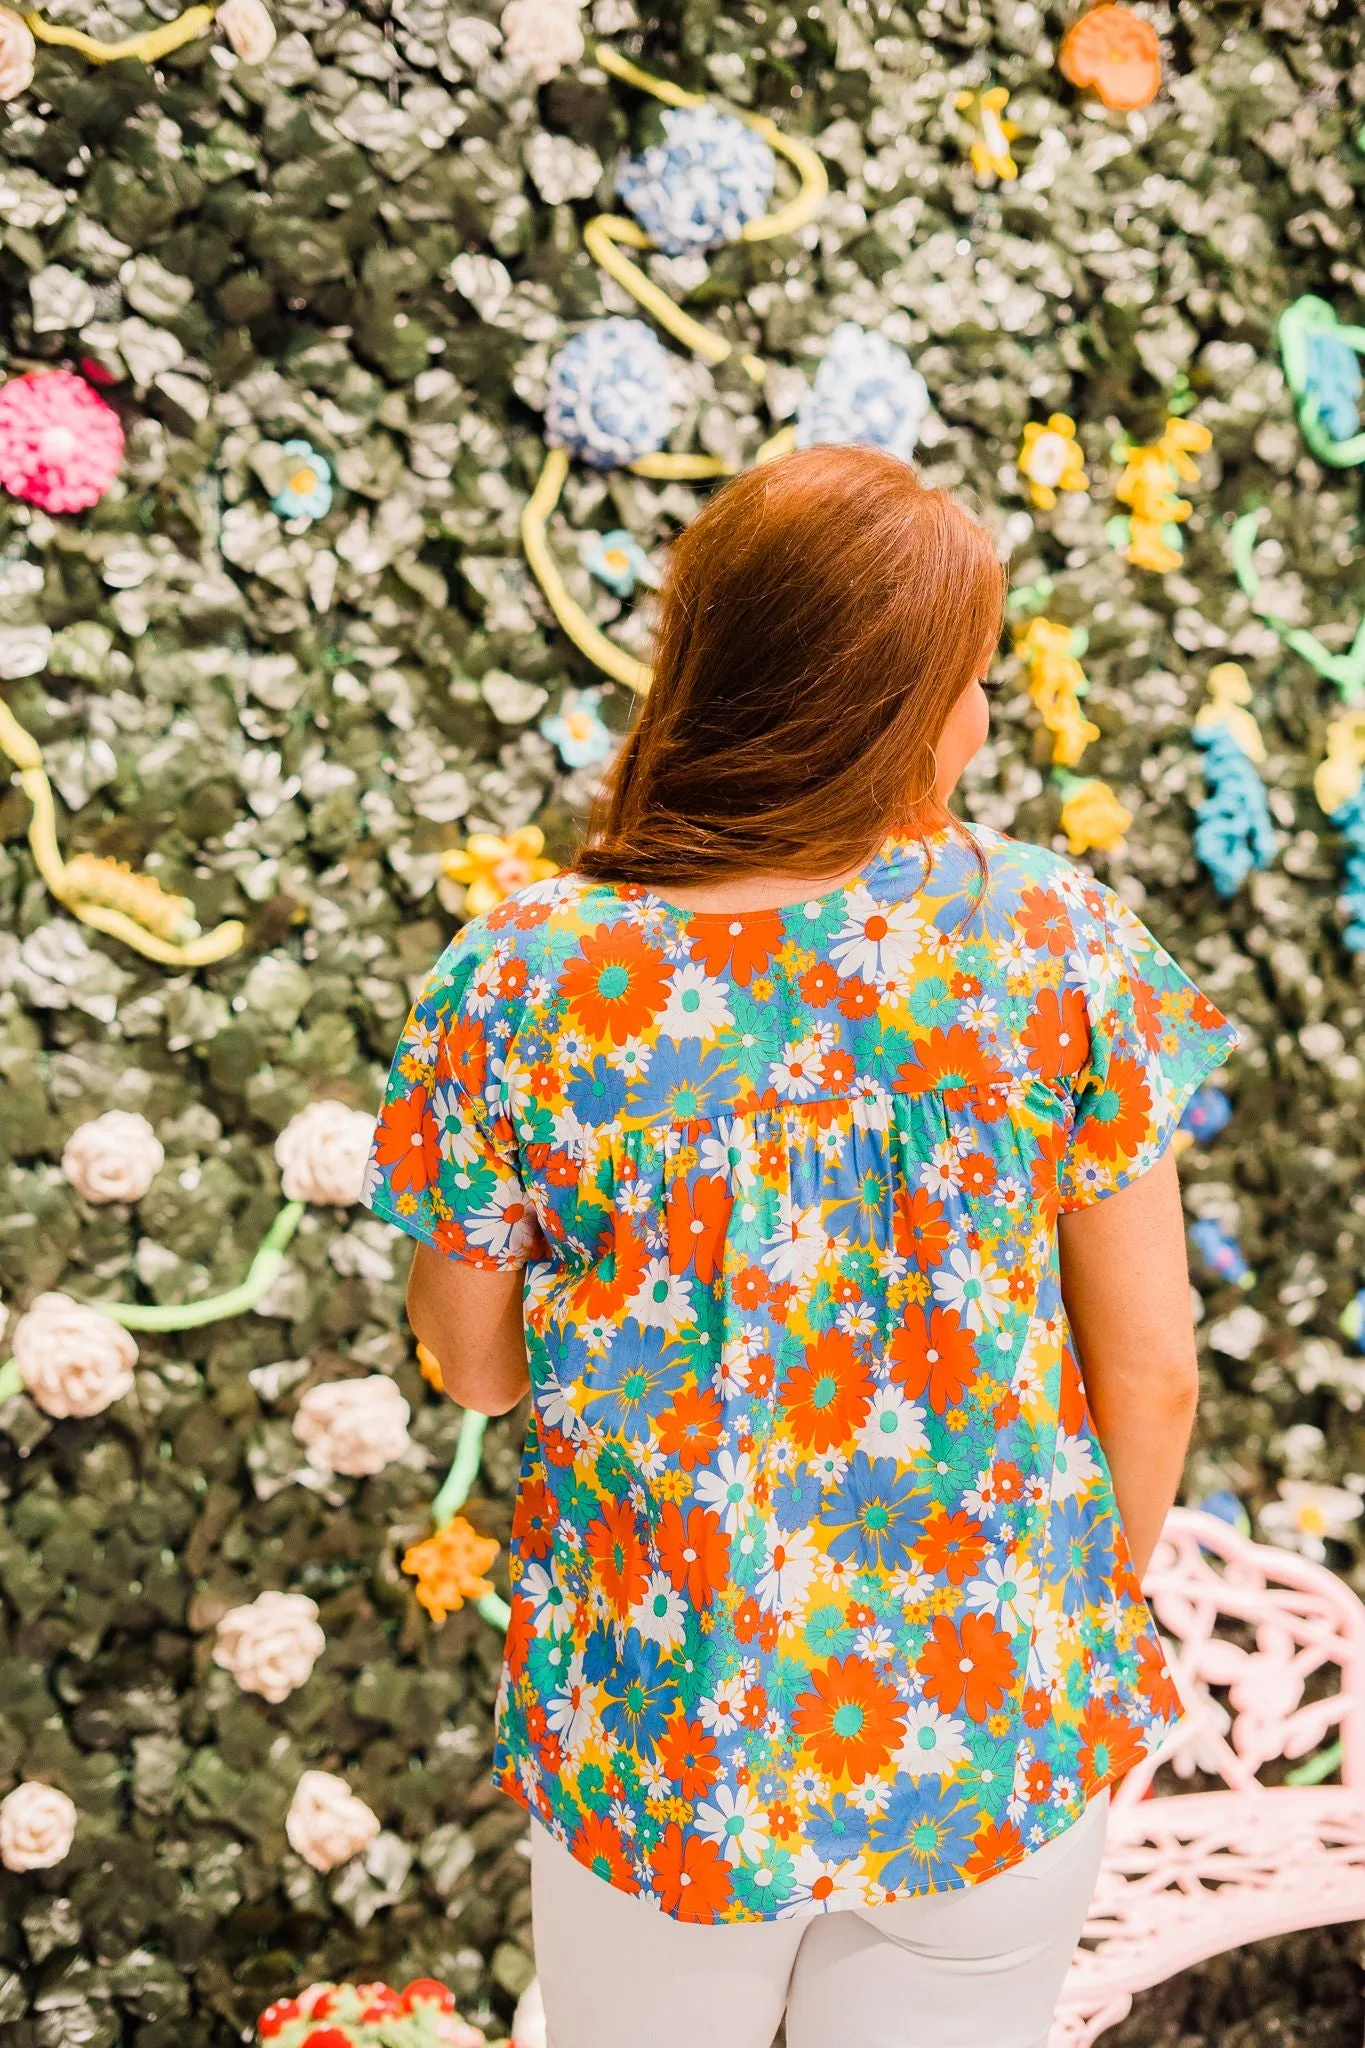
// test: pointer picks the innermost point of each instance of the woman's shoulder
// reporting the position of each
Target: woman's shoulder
(1027, 880)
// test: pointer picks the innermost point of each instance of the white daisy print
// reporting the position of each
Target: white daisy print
(696, 1006)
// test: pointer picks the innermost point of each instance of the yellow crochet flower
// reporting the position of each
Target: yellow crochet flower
(990, 151)
(493, 869)
(1051, 459)
(1092, 816)
(1056, 682)
(449, 1567)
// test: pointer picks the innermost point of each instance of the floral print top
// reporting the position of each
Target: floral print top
(819, 1596)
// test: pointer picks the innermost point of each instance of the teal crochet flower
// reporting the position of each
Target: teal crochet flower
(306, 492)
(616, 559)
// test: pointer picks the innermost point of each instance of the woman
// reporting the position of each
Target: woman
(806, 1154)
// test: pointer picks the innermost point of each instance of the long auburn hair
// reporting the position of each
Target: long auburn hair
(818, 620)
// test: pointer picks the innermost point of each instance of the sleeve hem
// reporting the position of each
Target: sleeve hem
(411, 1227)
(1216, 1048)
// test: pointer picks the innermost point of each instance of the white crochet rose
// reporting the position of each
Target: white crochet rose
(113, 1158)
(17, 53)
(249, 28)
(37, 1827)
(322, 1153)
(326, 1824)
(271, 1645)
(542, 36)
(72, 1360)
(353, 1426)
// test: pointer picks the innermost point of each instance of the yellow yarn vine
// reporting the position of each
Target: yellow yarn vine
(606, 237)
(107, 894)
(148, 48)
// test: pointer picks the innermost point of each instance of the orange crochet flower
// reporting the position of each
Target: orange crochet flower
(430, 1368)
(1117, 53)
(449, 1567)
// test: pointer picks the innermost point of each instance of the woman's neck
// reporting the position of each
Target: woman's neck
(759, 891)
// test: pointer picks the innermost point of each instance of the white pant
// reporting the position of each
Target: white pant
(976, 1968)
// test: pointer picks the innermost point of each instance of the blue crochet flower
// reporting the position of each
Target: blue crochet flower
(1332, 377)
(1349, 820)
(866, 389)
(611, 394)
(306, 492)
(1228, 1508)
(1234, 833)
(1206, 1113)
(1221, 1253)
(702, 184)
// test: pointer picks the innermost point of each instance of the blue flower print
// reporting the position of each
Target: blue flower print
(631, 1387)
(1081, 1550)
(1206, 1114)
(638, 1695)
(878, 1511)
(932, 1831)
(836, 1831)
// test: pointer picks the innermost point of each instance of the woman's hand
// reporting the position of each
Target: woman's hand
(1126, 1290)
(471, 1321)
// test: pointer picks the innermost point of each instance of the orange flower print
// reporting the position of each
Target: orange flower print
(1058, 1033)
(851, 1720)
(1118, 1117)
(405, 1142)
(969, 1665)
(826, 1398)
(1038, 1780)
(934, 1353)
(690, 1430)
(688, 1755)
(978, 1173)
(952, 1543)
(533, 1519)
(954, 1064)
(1045, 1173)
(740, 946)
(819, 985)
(613, 1543)
(997, 1846)
(1037, 1707)
(691, 1876)
(694, 1550)
(919, 1227)
(618, 1275)
(1155, 1682)
(463, 1056)
(1043, 922)
(600, 1847)
(1110, 1746)
(750, 1287)
(698, 1212)
(617, 984)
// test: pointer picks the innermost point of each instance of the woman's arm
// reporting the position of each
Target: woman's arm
(1126, 1291)
(471, 1321)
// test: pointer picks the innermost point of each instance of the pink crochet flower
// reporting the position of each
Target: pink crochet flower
(60, 444)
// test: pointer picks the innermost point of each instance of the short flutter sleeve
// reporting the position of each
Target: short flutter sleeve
(444, 1164)
(1153, 1039)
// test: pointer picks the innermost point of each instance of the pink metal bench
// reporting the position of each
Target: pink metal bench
(1268, 1655)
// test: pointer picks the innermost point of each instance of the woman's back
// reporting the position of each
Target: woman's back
(819, 1590)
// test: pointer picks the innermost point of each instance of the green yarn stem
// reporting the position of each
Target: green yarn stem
(463, 1470)
(1346, 671)
(261, 1276)
(1316, 1768)
(11, 1380)
(494, 1610)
